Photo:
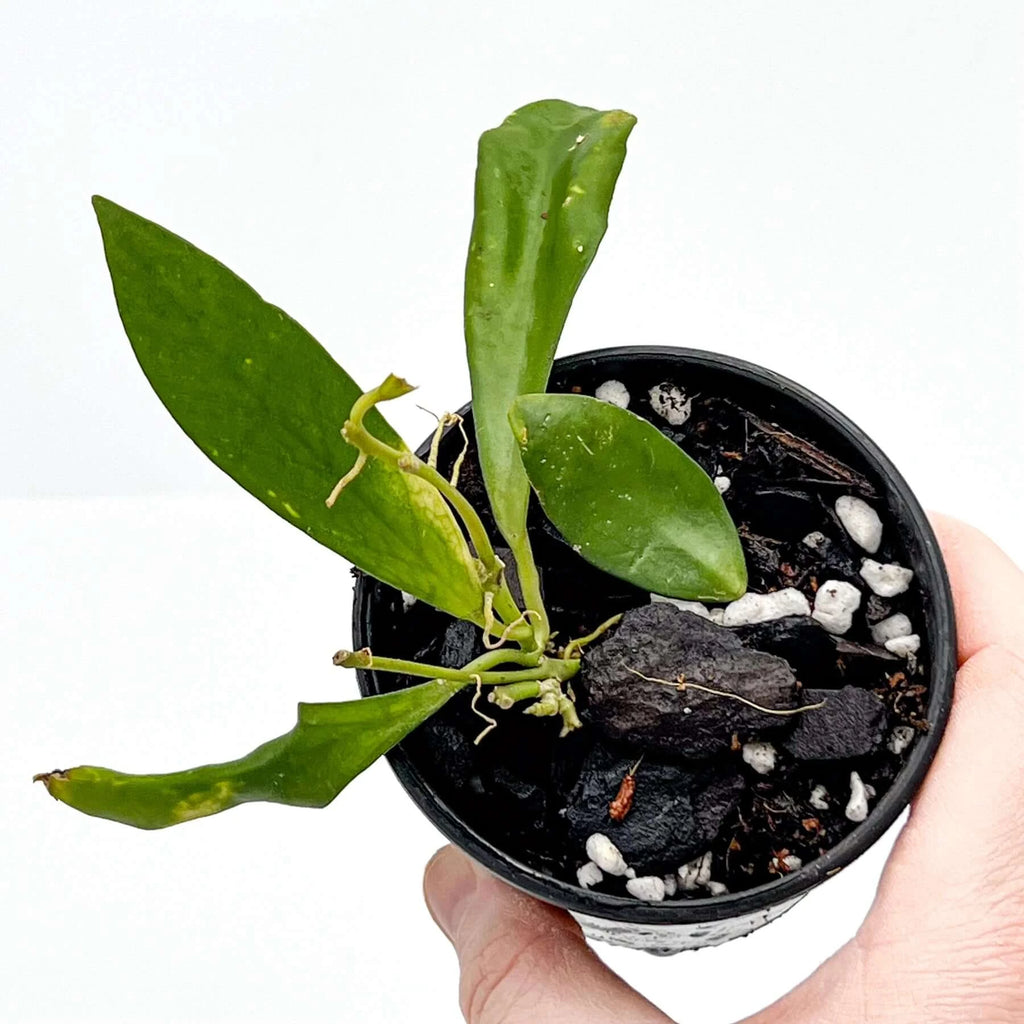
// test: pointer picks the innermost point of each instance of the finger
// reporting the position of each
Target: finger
(522, 960)
(988, 589)
(944, 939)
(966, 827)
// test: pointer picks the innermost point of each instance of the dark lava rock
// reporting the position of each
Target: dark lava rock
(661, 641)
(675, 815)
(851, 724)
(798, 639)
(461, 644)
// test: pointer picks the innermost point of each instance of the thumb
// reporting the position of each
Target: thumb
(522, 960)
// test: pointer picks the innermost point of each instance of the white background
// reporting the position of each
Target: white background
(830, 189)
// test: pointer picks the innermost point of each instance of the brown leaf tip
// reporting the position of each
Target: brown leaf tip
(46, 777)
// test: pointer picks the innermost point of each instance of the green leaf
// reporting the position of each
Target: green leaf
(263, 399)
(630, 501)
(544, 183)
(307, 767)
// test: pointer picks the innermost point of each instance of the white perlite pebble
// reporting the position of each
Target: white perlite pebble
(904, 646)
(614, 393)
(860, 521)
(886, 580)
(588, 875)
(834, 605)
(901, 738)
(646, 887)
(857, 807)
(687, 606)
(722, 483)
(765, 607)
(407, 601)
(760, 757)
(717, 616)
(696, 873)
(819, 798)
(814, 540)
(890, 628)
(671, 403)
(605, 854)
(717, 888)
(671, 884)
(791, 862)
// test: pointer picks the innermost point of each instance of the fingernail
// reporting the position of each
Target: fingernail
(448, 882)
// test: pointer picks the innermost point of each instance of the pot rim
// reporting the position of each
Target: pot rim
(941, 632)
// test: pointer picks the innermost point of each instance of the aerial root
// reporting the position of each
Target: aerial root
(346, 480)
(489, 620)
(682, 684)
(492, 723)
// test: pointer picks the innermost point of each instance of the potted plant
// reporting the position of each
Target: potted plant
(724, 615)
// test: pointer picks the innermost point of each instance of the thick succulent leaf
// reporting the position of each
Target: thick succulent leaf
(630, 501)
(265, 401)
(307, 767)
(544, 182)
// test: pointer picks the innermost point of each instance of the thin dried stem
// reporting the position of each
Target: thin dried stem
(682, 684)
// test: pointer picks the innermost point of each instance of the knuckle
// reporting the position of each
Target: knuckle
(995, 675)
(1001, 655)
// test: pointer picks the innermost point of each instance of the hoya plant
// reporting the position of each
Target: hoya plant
(270, 407)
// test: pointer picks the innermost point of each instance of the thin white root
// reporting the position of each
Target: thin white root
(570, 720)
(681, 685)
(346, 480)
(492, 723)
(457, 467)
(493, 645)
(435, 441)
(443, 422)
(489, 644)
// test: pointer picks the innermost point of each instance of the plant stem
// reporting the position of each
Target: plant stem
(509, 694)
(537, 667)
(357, 435)
(529, 580)
(577, 645)
(504, 603)
(489, 659)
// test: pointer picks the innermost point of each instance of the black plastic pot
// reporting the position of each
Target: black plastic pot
(690, 923)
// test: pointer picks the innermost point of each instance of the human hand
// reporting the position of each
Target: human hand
(944, 939)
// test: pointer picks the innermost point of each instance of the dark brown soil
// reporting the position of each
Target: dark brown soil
(514, 789)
